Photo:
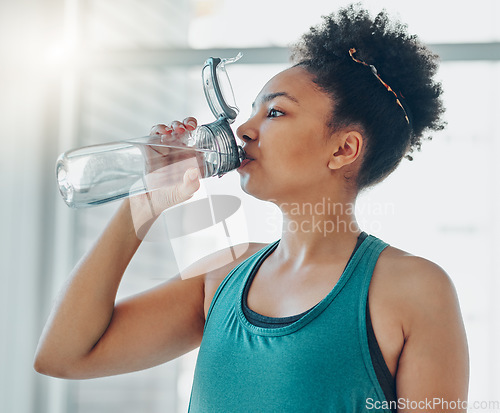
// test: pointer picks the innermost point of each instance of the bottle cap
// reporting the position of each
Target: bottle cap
(218, 89)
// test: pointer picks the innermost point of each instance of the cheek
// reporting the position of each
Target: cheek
(298, 157)
(293, 155)
(294, 171)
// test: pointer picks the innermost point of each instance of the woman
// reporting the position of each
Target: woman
(327, 318)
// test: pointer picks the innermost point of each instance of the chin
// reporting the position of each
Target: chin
(245, 185)
(252, 188)
(260, 192)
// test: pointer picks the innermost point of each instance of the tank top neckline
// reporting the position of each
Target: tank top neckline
(308, 315)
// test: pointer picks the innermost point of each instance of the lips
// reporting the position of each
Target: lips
(244, 162)
(248, 159)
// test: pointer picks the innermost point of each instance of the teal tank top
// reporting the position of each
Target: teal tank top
(320, 363)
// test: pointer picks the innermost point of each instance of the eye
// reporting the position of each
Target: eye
(274, 113)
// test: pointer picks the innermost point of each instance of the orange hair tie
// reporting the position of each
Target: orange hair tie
(374, 71)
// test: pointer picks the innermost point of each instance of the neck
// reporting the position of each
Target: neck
(313, 232)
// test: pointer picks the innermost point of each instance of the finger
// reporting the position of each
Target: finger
(155, 130)
(160, 129)
(190, 123)
(178, 127)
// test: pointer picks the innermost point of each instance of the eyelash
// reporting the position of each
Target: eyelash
(273, 110)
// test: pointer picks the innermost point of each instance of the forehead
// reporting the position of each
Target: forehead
(294, 76)
(296, 82)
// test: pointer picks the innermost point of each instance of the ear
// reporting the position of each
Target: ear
(346, 149)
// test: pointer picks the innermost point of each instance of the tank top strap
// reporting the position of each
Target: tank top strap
(367, 259)
(362, 277)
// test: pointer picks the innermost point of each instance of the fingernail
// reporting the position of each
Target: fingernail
(193, 174)
(191, 123)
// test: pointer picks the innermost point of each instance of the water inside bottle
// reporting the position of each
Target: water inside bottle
(103, 173)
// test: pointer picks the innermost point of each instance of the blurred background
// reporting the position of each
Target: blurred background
(80, 72)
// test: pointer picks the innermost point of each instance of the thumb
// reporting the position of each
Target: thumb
(190, 183)
(185, 190)
(155, 202)
(168, 197)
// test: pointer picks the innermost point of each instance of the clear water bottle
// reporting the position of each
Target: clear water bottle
(99, 174)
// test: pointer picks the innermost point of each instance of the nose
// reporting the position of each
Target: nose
(246, 132)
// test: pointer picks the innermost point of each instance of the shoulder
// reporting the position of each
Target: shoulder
(419, 289)
(216, 266)
(417, 297)
(410, 273)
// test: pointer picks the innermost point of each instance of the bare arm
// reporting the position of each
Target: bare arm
(88, 336)
(433, 367)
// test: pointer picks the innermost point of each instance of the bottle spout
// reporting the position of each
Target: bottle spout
(241, 153)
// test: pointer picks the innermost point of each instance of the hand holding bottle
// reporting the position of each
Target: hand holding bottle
(169, 145)
(173, 170)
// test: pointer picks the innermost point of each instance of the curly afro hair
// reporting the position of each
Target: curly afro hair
(360, 99)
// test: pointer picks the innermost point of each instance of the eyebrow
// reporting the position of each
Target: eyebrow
(271, 96)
